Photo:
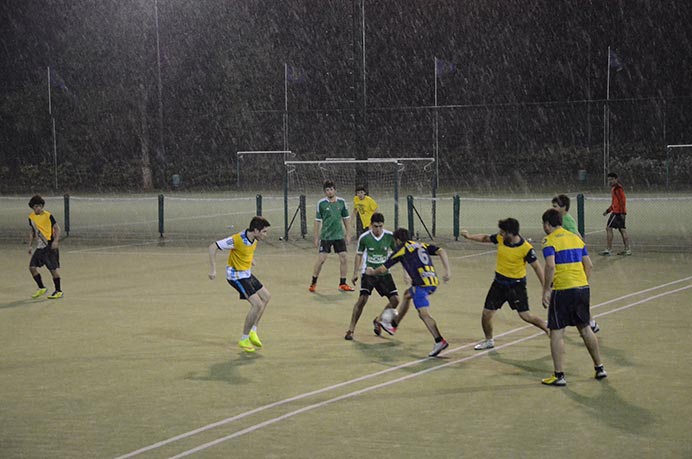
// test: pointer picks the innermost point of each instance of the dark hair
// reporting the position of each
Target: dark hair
(511, 225)
(613, 174)
(561, 200)
(36, 199)
(258, 223)
(402, 235)
(552, 217)
(328, 184)
(361, 188)
(377, 218)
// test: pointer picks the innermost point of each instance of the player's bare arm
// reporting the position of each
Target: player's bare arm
(475, 237)
(213, 248)
(356, 264)
(588, 266)
(538, 269)
(316, 232)
(56, 237)
(445, 263)
(549, 273)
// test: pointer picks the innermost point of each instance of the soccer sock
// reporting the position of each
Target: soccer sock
(342, 280)
(254, 328)
(314, 279)
(439, 339)
(598, 367)
(39, 281)
(56, 282)
(244, 337)
(559, 374)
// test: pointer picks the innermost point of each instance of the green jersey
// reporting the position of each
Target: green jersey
(569, 224)
(375, 251)
(331, 214)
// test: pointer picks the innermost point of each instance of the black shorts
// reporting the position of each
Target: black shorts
(246, 287)
(338, 244)
(384, 285)
(45, 256)
(514, 294)
(616, 221)
(569, 308)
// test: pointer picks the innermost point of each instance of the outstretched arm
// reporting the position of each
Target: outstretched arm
(475, 237)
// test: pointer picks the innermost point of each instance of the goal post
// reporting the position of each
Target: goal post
(386, 179)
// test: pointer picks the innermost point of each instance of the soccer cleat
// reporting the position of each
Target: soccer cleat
(605, 253)
(312, 288)
(376, 327)
(555, 381)
(625, 253)
(39, 292)
(55, 295)
(349, 336)
(388, 327)
(485, 344)
(246, 345)
(345, 288)
(594, 326)
(600, 372)
(438, 347)
(254, 339)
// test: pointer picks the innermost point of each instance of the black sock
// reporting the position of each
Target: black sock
(342, 280)
(598, 368)
(314, 279)
(559, 374)
(395, 323)
(438, 339)
(56, 282)
(39, 281)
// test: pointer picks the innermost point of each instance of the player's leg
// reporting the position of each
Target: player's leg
(625, 241)
(340, 249)
(321, 258)
(495, 298)
(558, 313)
(519, 301)
(356, 313)
(35, 263)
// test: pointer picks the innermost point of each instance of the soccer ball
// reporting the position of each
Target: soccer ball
(388, 315)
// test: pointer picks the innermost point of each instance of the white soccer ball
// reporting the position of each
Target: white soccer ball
(388, 315)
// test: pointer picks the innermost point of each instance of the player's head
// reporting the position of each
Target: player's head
(509, 226)
(561, 201)
(259, 227)
(551, 220)
(402, 236)
(329, 188)
(36, 200)
(612, 175)
(377, 224)
(612, 178)
(361, 191)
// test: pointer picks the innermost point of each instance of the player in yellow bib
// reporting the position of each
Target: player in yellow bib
(46, 231)
(241, 247)
(364, 207)
(513, 253)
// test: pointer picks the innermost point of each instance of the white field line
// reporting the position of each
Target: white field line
(377, 386)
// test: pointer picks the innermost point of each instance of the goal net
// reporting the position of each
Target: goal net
(388, 181)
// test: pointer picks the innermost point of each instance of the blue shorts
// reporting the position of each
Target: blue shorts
(420, 294)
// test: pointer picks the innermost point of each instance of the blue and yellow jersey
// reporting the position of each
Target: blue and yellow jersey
(568, 250)
(42, 224)
(415, 257)
(510, 266)
(240, 257)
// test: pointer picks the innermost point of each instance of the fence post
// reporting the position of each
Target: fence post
(258, 198)
(409, 206)
(303, 217)
(161, 215)
(66, 199)
(455, 217)
(580, 215)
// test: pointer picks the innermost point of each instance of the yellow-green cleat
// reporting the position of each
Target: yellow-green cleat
(55, 295)
(246, 345)
(39, 292)
(254, 339)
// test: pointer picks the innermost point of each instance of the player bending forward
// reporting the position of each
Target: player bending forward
(238, 273)
(415, 257)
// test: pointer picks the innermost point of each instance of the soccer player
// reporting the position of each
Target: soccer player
(46, 231)
(364, 207)
(374, 247)
(566, 294)
(513, 253)
(618, 212)
(561, 204)
(331, 230)
(415, 257)
(241, 247)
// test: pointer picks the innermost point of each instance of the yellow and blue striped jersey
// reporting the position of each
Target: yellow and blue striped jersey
(242, 251)
(568, 250)
(415, 258)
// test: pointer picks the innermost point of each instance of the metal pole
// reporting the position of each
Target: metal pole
(162, 148)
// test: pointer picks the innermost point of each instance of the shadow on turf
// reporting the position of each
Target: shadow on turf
(227, 371)
(16, 304)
